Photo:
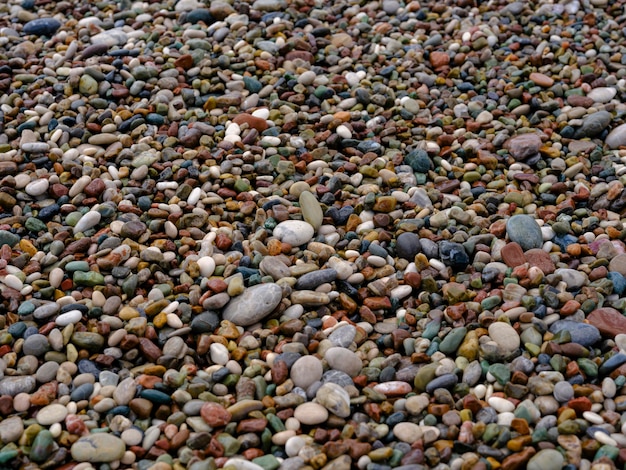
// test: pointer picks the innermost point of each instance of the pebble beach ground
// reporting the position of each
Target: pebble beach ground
(312, 234)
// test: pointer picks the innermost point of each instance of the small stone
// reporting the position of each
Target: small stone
(407, 432)
(215, 415)
(54, 413)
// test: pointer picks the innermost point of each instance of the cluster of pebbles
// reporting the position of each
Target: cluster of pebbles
(323, 235)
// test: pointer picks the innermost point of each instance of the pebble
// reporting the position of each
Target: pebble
(97, 448)
(294, 232)
(253, 305)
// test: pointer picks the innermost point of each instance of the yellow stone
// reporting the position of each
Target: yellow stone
(565, 415)
(71, 352)
(126, 313)
(27, 247)
(469, 347)
(160, 320)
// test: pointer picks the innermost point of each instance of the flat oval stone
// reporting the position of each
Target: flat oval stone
(98, 447)
(311, 413)
(51, 414)
(306, 371)
(344, 360)
(42, 27)
(294, 232)
(253, 305)
(407, 432)
(311, 209)
(11, 429)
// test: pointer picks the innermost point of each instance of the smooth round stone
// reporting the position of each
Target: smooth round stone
(294, 232)
(602, 94)
(523, 230)
(546, 459)
(253, 305)
(504, 336)
(47, 372)
(11, 429)
(563, 391)
(311, 413)
(206, 265)
(132, 436)
(334, 398)
(344, 360)
(51, 414)
(616, 138)
(581, 333)
(574, 279)
(36, 345)
(42, 447)
(408, 245)
(98, 447)
(311, 210)
(306, 371)
(219, 353)
(407, 432)
(215, 415)
(37, 187)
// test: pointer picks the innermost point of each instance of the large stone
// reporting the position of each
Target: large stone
(608, 321)
(11, 429)
(253, 305)
(523, 230)
(344, 360)
(594, 124)
(98, 447)
(524, 146)
(311, 209)
(294, 232)
(581, 333)
(546, 459)
(306, 371)
(616, 138)
(334, 398)
(408, 245)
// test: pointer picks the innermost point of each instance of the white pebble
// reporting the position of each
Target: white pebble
(69, 318)
(593, 418)
(13, 282)
(604, 438)
(501, 405)
(344, 132)
(207, 266)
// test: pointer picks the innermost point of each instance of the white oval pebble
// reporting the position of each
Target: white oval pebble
(592, 417)
(501, 405)
(219, 353)
(37, 187)
(207, 266)
(51, 414)
(68, 318)
(13, 282)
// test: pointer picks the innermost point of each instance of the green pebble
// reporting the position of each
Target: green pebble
(562, 337)
(607, 451)
(589, 367)
(491, 432)
(74, 266)
(35, 225)
(89, 279)
(501, 372)
(231, 445)
(453, 340)
(275, 422)
(490, 302)
(42, 447)
(268, 462)
(425, 375)
(569, 426)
